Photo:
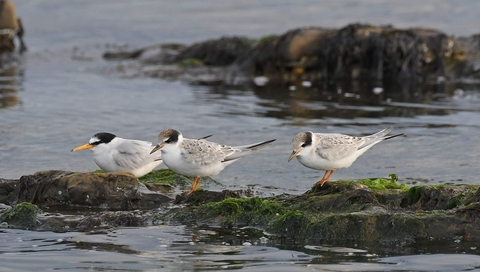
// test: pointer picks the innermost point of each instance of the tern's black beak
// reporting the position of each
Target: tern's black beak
(294, 154)
(157, 147)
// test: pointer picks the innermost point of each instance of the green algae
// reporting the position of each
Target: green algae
(165, 176)
(291, 223)
(458, 200)
(454, 202)
(22, 215)
(231, 212)
(250, 211)
(193, 62)
(413, 195)
(380, 184)
(377, 184)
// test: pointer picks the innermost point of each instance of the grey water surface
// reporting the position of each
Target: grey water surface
(61, 92)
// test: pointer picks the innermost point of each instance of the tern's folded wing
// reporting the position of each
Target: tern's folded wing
(202, 152)
(337, 146)
(134, 154)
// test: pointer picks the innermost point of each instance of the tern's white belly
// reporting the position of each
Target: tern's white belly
(105, 161)
(319, 163)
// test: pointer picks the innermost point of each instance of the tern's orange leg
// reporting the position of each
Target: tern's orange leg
(323, 180)
(326, 177)
(329, 176)
(195, 183)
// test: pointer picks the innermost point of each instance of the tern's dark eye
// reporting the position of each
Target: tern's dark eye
(304, 145)
(168, 141)
(96, 143)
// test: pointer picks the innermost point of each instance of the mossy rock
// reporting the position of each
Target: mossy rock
(378, 184)
(231, 212)
(22, 215)
(167, 176)
(438, 197)
(292, 223)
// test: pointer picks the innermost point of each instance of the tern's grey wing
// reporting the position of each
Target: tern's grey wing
(337, 146)
(203, 152)
(134, 153)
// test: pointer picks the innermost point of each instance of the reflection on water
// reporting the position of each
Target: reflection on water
(172, 249)
(9, 86)
(354, 99)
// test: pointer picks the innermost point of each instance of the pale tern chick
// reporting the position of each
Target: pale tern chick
(199, 158)
(330, 152)
(115, 154)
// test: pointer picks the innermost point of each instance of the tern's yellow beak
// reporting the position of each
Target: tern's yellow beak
(294, 154)
(157, 147)
(82, 147)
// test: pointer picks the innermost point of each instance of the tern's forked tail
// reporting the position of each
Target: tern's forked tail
(248, 149)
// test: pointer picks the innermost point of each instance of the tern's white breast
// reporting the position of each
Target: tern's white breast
(314, 161)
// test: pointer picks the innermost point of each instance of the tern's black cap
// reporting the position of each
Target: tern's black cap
(102, 137)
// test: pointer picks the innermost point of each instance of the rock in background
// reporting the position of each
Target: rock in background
(355, 52)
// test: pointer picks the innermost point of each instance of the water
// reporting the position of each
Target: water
(168, 248)
(62, 92)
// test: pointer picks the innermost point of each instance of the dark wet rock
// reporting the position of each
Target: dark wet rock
(350, 211)
(7, 187)
(216, 52)
(23, 215)
(201, 197)
(437, 197)
(112, 191)
(28, 216)
(354, 52)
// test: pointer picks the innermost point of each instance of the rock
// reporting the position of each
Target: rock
(10, 26)
(350, 211)
(217, 52)
(201, 197)
(437, 197)
(355, 52)
(64, 190)
(7, 187)
(23, 215)
(370, 210)
(161, 53)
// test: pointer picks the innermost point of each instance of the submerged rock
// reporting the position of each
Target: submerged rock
(23, 215)
(354, 52)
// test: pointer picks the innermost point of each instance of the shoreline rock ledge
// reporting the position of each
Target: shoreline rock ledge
(63, 190)
(374, 210)
(355, 52)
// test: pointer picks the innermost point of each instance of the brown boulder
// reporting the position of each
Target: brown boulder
(62, 190)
